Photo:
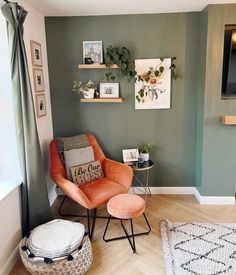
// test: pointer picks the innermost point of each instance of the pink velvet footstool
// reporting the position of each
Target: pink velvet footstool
(126, 207)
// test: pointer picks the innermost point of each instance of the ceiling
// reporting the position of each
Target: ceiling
(106, 7)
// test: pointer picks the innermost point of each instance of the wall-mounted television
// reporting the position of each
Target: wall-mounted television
(229, 63)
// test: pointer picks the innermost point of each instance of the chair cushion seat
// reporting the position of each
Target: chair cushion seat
(101, 190)
(126, 206)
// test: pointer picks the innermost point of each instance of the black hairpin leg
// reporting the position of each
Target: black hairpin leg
(91, 227)
(63, 214)
(127, 236)
(132, 244)
(87, 215)
(68, 214)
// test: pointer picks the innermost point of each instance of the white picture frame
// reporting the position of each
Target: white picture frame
(36, 54)
(93, 50)
(109, 90)
(152, 88)
(40, 102)
(38, 80)
(130, 155)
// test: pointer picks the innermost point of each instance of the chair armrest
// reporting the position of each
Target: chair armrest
(118, 172)
(73, 191)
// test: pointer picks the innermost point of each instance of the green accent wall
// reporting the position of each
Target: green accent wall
(218, 148)
(120, 126)
(201, 94)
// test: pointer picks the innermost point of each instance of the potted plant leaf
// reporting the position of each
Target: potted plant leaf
(120, 56)
(85, 88)
(145, 149)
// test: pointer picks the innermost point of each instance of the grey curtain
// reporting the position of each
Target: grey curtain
(35, 204)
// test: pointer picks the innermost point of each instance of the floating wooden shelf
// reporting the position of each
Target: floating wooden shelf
(101, 100)
(229, 120)
(97, 66)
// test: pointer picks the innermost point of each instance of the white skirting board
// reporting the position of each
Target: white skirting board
(6, 269)
(188, 191)
(214, 199)
(52, 196)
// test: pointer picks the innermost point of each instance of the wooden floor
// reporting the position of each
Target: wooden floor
(116, 258)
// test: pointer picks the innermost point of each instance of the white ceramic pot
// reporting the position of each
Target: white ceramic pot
(89, 93)
(145, 156)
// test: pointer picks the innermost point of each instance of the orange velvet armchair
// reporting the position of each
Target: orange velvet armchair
(117, 180)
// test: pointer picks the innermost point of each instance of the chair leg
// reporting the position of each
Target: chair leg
(104, 234)
(127, 236)
(88, 222)
(132, 244)
(91, 228)
(149, 226)
(68, 214)
(94, 221)
(132, 232)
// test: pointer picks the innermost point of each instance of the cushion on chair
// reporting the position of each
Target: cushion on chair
(101, 190)
(87, 172)
(76, 157)
(69, 143)
(126, 206)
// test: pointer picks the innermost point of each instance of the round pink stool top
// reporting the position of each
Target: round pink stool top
(126, 206)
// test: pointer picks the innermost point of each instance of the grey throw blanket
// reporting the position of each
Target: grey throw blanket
(69, 143)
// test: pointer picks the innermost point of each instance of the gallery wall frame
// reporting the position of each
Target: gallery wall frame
(38, 80)
(40, 103)
(36, 54)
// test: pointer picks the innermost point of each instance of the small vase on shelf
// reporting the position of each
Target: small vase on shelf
(89, 93)
(144, 156)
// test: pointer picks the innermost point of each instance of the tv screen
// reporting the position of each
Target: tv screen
(229, 64)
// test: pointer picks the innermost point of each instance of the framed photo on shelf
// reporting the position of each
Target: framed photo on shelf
(109, 90)
(38, 80)
(40, 105)
(130, 155)
(93, 50)
(36, 54)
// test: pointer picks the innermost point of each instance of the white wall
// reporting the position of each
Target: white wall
(10, 229)
(34, 29)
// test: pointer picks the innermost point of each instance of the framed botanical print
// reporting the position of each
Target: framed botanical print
(36, 54)
(38, 80)
(153, 83)
(41, 105)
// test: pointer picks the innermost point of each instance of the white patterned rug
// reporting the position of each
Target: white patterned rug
(199, 248)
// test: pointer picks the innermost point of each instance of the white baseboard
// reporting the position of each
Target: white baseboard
(173, 191)
(167, 190)
(52, 196)
(214, 199)
(188, 191)
(11, 261)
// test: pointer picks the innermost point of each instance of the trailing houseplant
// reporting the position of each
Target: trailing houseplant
(122, 58)
(109, 76)
(151, 80)
(85, 88)
(145, 149)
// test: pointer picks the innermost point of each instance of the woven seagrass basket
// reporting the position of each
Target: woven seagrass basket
(82, 260)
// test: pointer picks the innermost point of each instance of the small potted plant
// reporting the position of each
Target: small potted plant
(145, 150)
(85, 88)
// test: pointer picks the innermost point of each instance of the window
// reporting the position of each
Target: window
(9, 160)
